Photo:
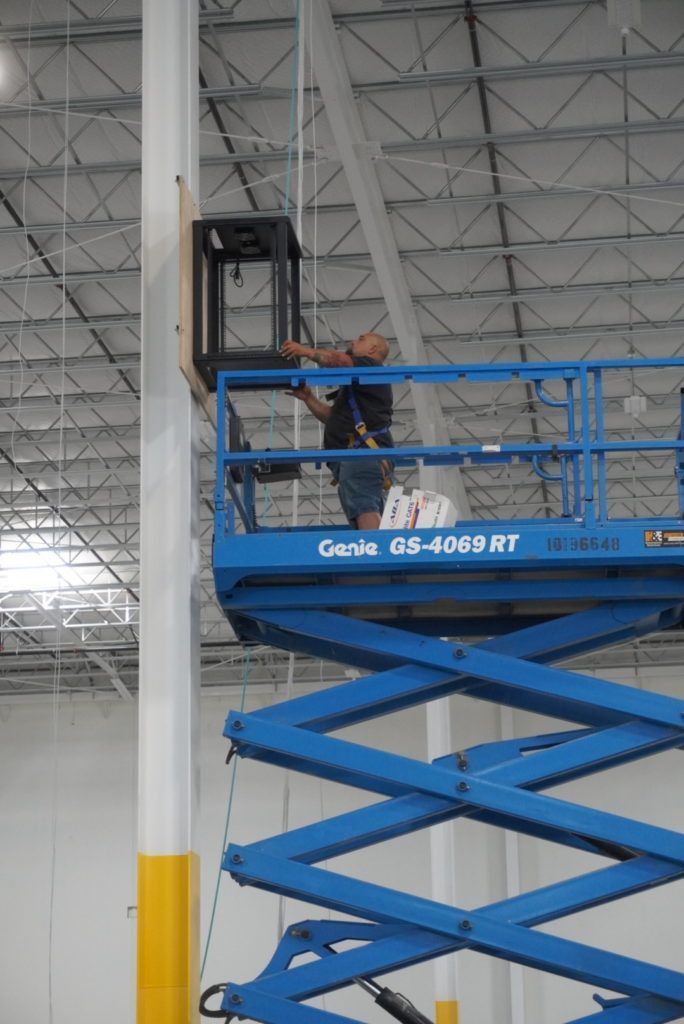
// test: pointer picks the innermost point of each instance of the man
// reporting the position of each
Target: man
(360, 415)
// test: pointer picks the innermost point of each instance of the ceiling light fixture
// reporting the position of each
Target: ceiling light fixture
(35, 570)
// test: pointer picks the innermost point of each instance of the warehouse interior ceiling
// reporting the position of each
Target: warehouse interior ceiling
(531, 167)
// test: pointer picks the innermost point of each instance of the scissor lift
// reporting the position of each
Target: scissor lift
(520, 596)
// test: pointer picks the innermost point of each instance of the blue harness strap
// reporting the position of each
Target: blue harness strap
(367, 437)
(359, 425)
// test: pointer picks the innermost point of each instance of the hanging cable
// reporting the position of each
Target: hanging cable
(296, 132)
(314, 247)
(253, 184)
(229, 809)
(288, 181)
(236, 275)
(293, 108)
(57, 673)
(299, 51)
(27, 245)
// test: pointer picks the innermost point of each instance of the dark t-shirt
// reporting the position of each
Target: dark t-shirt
(375, 406)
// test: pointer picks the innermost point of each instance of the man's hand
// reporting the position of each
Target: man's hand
(303, 393)
(326, 357)
(292, 349)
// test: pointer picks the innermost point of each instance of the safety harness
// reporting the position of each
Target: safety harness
(367, 437)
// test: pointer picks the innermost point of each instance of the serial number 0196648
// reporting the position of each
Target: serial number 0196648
(583, 543)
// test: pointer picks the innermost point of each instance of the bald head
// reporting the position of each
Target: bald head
(372, 345)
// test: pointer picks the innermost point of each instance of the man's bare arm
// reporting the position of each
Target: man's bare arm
(323, 356)
(328, 357)
(321, 410)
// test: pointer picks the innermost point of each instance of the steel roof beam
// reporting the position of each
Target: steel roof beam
(484, 5)
(103, 433)
(127, 100)
(223, 20)
(468, 296)
(535, 135)
(545, 246)
(589, 332)
(356, 260)
(132, 166)
(71, 225)
(554, 134)
(561, 192)
(531, 294)
(74, 277)
(536, 69)
(409, 79)
(400, 204)
(56, 170)
(30, 368)
(99, 323)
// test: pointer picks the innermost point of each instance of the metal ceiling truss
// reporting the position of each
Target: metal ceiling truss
(495, 102)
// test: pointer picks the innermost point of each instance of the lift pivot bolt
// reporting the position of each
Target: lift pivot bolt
(463, 787)
(465, 925)
(459, 652)
(237, 724)
(235, 998)
(237, 859)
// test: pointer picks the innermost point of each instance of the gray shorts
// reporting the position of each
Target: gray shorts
(361, 487)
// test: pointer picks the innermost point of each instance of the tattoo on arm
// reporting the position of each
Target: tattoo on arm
(329, 358)
(320, 410)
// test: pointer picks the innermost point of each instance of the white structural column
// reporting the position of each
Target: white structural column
(443, 866)
(516, 981)
(355, 152)
(168, 868)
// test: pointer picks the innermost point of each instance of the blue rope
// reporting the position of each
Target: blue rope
(288, 182)
(293, 109)
(267, 498)
(245, 678)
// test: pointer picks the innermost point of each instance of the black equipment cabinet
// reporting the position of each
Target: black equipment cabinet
(236, 259)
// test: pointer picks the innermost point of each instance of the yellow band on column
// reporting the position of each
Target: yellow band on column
(168, 939)
(446, 1011)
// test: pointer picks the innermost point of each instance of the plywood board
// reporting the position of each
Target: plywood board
(189, 212)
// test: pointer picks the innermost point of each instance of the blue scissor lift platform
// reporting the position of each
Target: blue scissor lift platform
(512, 600)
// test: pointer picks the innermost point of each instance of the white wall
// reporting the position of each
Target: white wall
(90, 782)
